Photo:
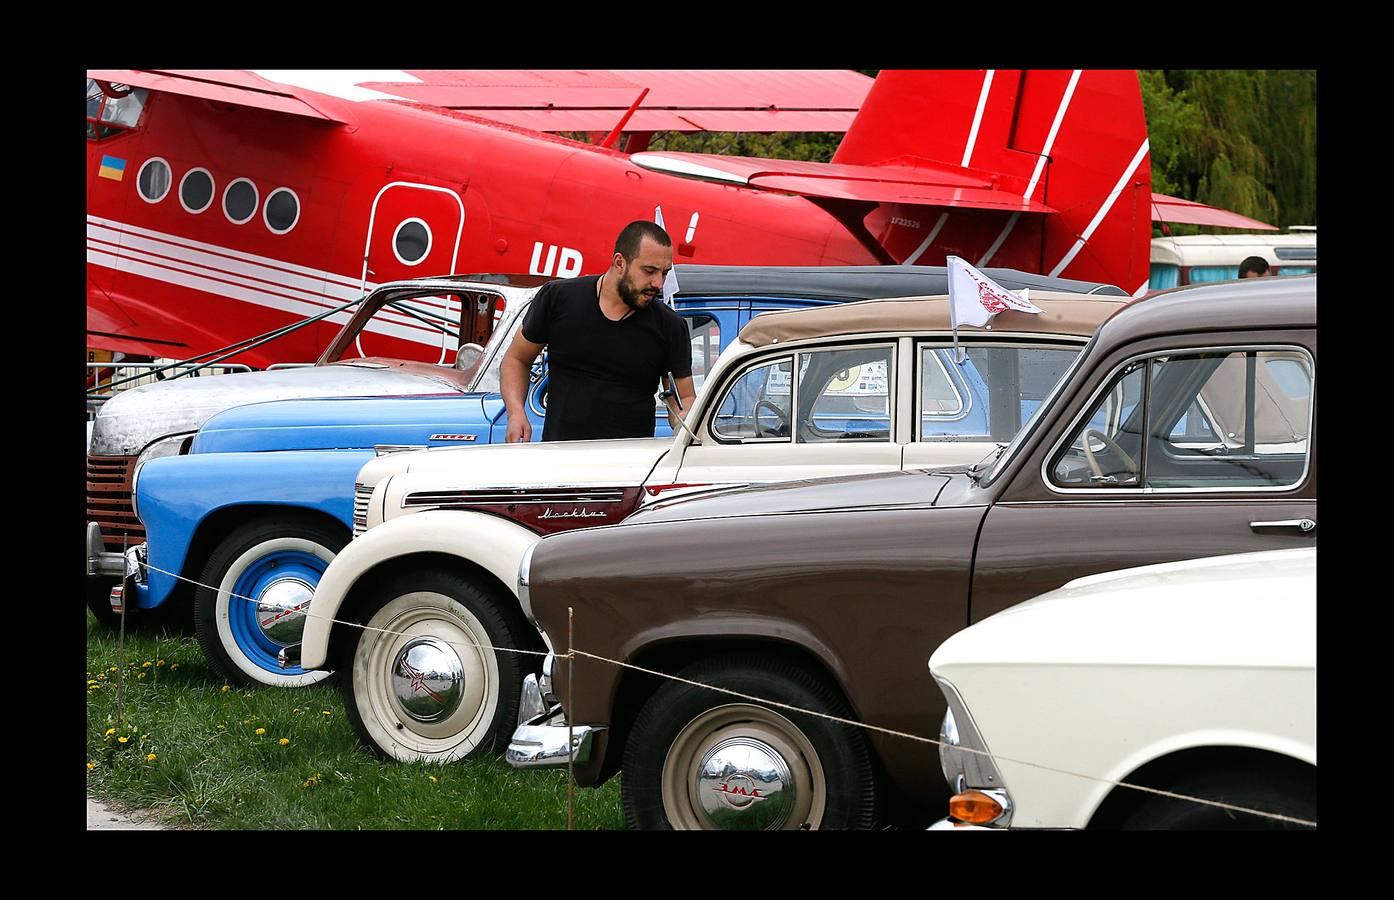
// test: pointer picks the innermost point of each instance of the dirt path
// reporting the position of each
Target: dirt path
(101, 817)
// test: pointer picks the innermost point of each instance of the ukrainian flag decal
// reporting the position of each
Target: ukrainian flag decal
(112, 168)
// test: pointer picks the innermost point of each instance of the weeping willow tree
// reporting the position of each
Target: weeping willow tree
(1240, 140)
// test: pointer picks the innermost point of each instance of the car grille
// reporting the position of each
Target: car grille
(109, 500)
(361, 495)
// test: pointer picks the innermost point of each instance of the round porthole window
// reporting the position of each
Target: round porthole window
(196, 190)
(282, 210)
(240, 201)
(411, 242)
(152, 181)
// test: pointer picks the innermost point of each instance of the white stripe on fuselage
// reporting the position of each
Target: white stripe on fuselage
(1054, 130)
(224, 272)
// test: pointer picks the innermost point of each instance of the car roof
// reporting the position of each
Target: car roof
(1244, 305)
(819, 282)
(1064, 313)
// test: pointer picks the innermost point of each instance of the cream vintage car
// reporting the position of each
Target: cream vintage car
(1197, 678)
(439, 535)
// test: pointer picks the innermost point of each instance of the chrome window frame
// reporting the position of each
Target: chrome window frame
(772, 358)
(1143, 490)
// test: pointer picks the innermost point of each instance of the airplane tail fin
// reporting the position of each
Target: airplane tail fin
(1075, 141)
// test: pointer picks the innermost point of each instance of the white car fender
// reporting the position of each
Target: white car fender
(488, 541)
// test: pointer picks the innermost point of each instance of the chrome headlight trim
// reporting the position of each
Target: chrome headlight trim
(959, 733)
(524, 576)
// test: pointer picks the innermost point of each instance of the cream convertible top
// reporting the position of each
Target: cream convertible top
(1065, 313)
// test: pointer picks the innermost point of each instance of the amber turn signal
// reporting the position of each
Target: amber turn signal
(974, 807)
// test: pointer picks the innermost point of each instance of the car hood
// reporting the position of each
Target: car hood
(1245, 609)
(351, 422)
(626, 461)
(885, 490)
(126, 423)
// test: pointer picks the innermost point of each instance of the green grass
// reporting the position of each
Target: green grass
(212, 770)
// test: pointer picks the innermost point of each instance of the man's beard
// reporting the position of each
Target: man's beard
(631, 295)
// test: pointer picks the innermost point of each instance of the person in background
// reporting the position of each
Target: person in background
(1253, 267)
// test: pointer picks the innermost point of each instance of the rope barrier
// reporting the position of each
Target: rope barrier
(574, 652)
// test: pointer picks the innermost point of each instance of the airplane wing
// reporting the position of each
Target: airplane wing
(240, 88)
(923, 183)
(1175, 211)
(583, 100)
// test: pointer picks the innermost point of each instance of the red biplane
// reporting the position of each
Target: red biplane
(225, 204)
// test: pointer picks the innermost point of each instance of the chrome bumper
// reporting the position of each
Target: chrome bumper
(542, 737)
(101, 561)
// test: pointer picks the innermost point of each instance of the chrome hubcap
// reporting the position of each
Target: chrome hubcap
(281, 610)
(428, 679)
(745, 784)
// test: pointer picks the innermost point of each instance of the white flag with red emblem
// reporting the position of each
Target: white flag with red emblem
(670, 281)
(974, 298)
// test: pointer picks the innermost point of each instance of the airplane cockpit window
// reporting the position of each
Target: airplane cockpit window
(112, 109)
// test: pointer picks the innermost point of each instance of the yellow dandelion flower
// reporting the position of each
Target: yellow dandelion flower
(261, 731)
(91, 766)
(138, 677)
(324, 712)
(109, 732)
(283, 741)
(90, 683)
(112, 669)
(222, 728)
(295, 712)
(173, 666)
(433, 778)
(149, 757)
(224, 689)
(159, 662)
(123, 739)
(101, 676)
(147, 664)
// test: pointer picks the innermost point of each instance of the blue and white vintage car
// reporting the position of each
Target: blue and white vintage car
(263, 498)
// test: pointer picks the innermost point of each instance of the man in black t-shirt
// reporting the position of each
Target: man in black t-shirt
(609, 340)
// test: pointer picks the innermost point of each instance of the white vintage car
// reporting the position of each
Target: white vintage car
(1196, 678)
(439, 534)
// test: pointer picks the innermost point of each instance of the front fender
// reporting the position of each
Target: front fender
(177, 494)
(491, 542)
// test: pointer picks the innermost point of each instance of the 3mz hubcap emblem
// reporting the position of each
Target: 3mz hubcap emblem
(427, 679)
(745, 784)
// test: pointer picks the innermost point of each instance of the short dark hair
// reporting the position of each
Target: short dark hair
(627, 244)
(1256, 264)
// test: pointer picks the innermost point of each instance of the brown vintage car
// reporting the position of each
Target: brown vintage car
(829, 595)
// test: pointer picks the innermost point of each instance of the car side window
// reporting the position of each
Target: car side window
(990, 394)
(844, 395)
(756, 406)
(1216, 420)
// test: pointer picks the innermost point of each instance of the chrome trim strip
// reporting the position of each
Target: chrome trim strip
(483, 498)
(1145, 490)
(1303, 525)
(980, 772)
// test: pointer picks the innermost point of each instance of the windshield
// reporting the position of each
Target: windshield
(1037, 417)
(487, 378)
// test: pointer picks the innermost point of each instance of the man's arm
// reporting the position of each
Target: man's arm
(686, 394)
(513, 383)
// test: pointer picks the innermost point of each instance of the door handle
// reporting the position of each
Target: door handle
(1300, 525)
